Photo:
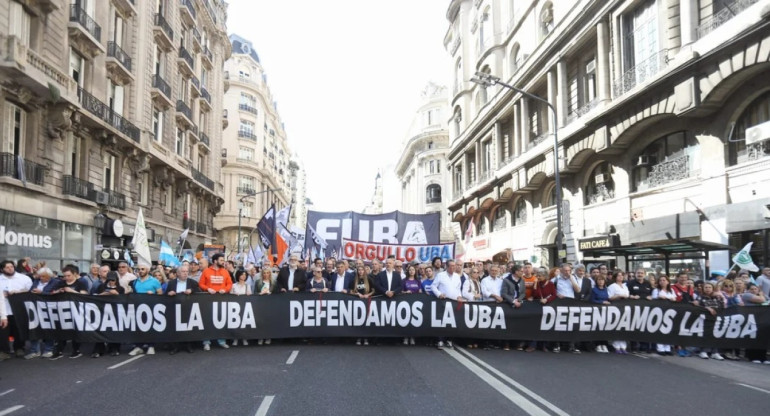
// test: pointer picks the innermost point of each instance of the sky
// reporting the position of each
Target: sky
(347, 76)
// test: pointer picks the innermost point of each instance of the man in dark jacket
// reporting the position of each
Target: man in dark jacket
(290, 277)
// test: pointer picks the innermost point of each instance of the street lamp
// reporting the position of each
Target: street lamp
(249, 194)
(487, 80)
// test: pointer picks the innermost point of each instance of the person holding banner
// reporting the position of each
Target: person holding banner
(363, 287)
(216, 279)
(600, 296)
(617, 291)
(545, 292)
(664, 292)
(340, 281)
(290, 278)
(410, 285)
(447, 285)
(318, 283)
(388, 281)
(110, 287)
(69, 284)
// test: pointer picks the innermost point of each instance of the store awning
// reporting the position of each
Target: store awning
(670, 248)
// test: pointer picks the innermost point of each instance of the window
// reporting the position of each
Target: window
(667, 159)
(600, 185)
(109, 173)
(247, 210)
(180, 142)
(515, 59)
(430, 145)
(641, 43)
(76, 67)
(157, 124)
(546, 20)
(202, 121)
(458, 179)
(433, 194)
(246, 184)
(757, 112)
(501, 218)
(168, 199)
(118, 28)
(487, 156)
(456, 120)
(74, 149)
(484, 31)
(245, 153)
(248, 99)
(116, 98)
(520, 212)
(142, 188)
(458, 75)
(13, 137)
(157, 62)
(184, 89)
(19, 23)
(247, 127)
(204, 77)
(201, 162)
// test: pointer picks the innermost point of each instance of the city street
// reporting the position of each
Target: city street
(345, 379)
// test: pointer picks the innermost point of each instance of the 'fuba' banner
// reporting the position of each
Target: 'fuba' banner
(353, 250)
(325, 230)
(153, 318)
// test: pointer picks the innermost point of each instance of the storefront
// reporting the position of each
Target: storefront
(58, 243)
(749, 222)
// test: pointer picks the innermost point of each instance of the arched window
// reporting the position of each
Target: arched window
(483, 96)
(520, 212)
(456, 120)
(600, 186)
(546, 20)
(483, 224)
(458, 76)
(757, 112)
(433, 194)
(484, 31)
(501, 218)
(515, 59)
(670, 158)
(550, 198)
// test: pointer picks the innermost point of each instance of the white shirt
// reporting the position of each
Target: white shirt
(491, 286)
(470, 288)
(16, 283)
(616, 289)
(449, 286)
(339, 286)
(389, 274)
(290, 285)
(564, 286)
(181, 285)
(659, 294)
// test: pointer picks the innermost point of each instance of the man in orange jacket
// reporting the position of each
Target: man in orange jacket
(215, 279)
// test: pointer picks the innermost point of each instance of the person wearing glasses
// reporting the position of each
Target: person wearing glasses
(340, 281)
(319, 283)
(125, 277)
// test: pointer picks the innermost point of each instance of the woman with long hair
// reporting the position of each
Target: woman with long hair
(363, 287)
(618, 291)
(264, 286)
(663, 291)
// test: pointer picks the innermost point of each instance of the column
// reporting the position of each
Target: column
(561, 94)
(688, 18)
(524, 124)
(515, 140)
(477, 170)
(602, 60)
(498, 146)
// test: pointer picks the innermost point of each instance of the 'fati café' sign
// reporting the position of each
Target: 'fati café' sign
(605, 241)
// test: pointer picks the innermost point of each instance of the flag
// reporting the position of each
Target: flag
(129, 260)
(266, 228)
(183, 236)
(743, 259)
(22, 172)
(141, 246)
(256, 255)
(469, 232)
(167, 256)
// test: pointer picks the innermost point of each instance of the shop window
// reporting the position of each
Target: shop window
(757, 112)
(433, 194)
(668, 159)
(601, 186)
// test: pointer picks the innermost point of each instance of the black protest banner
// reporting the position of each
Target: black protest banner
(148, 318)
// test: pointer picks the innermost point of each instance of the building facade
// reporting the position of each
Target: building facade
(298, 179)
(256, 152)
(654, 101)
(422, 167)
(375, 204)
(108, 107)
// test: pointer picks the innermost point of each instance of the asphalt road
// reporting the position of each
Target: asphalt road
(343, 379)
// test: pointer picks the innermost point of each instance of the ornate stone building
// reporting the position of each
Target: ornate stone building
(109, 106)
(654, 100)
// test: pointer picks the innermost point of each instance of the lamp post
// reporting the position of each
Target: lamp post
(485, 79)
(240, 210)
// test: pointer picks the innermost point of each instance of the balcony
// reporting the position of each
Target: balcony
(719, 18)
(202, 179)
(28, 69)
(641, 73)
(104, 113)
(126, 7)
(671, 170)
(84, 33)
(582, 110)
(78, 188)
(205, 101)
(187, 10)
(196, 40)
(116, 199)
(200, 228)
(226, 80)
(225, 122)
(244, 134)
(184, 114)
(161, 92)
(190, 225)
(248, 108)
(16, 167)
(186, 62)
(164, 35)
(245, 190)
(118, 64)
(204, 140)
(207, 58)
(537, 140)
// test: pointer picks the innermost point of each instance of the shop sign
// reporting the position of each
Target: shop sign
(29, 240)
(605, 241)
(480, 244)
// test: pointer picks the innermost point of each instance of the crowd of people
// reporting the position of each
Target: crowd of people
(509, 283)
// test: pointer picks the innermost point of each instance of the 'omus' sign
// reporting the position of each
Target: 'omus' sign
(12, 238)
(597, 242)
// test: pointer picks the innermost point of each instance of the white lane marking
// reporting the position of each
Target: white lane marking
(753, 388)
(11, 409)
(265, 406)
(515, 384)
(292, 357)
(509, 393)
(124, 362)
(7, 391)
(636, 354)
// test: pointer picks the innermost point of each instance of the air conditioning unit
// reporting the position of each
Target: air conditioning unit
(758, 133)
(646, 160)
(101, 198)
(602, 178)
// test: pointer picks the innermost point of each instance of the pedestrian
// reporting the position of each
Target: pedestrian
(618, 291)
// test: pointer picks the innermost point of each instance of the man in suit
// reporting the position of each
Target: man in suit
(388, 281)
(290, 277)
(341, 280)
(182, 286)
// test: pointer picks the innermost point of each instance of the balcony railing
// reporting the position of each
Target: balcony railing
(190, 225)
(161, 22)
(94, 106)
(433, 200)
(184, 109)
(203, 179)
(669, 171)
(19, 168)
(159, 83)
(507, 160)
(114, 51)
(79, 15)
(248, 108)
(581, 111)
(718, 19)
(205, 139)
(184, 54)
(245, 190)
(247, 135)
(78, 187)
(485, 176)
(205, 94)
(640, 73)
(189, 6)
(207, 53)
(196, 35)
(537, 140)
(200, 228)
(116, 199)
(195, 82)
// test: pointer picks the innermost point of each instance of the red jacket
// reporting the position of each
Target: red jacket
(681, 291)
(546, 291)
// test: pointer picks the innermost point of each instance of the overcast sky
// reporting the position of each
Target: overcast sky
(347, 75)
